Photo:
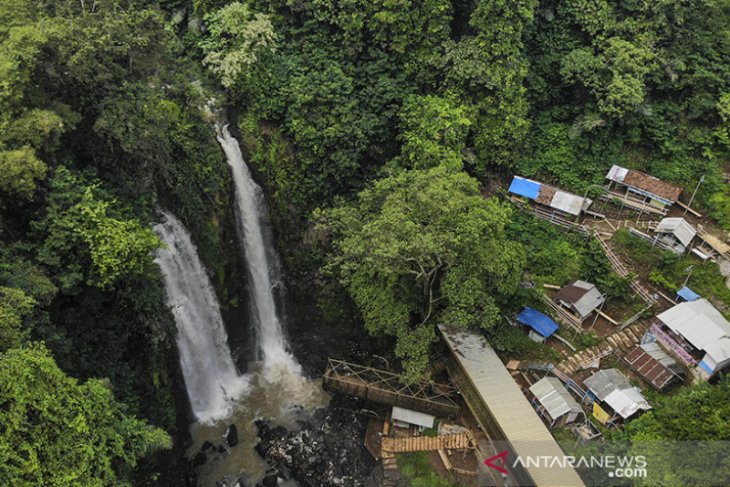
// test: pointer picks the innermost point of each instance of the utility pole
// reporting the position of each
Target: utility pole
(694, 194)
(688, 270)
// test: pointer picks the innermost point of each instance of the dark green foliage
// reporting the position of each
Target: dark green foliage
(639, 84)
(100, 122)
(557, 257)
(684, 437)
(693, 413)
(423, 247)
(371, 108)
(57, 432)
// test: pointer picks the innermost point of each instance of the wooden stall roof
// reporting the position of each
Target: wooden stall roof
(653, 185)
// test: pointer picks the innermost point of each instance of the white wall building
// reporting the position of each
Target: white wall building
(705, 328)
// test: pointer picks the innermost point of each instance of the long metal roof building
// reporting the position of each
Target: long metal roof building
(505, 413)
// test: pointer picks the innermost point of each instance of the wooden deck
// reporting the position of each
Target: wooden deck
(456, 441)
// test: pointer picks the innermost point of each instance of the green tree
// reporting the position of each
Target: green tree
(419, 248)
(238, 37)
(685, 437)
(82, 227)
(616, 75)
(15, 306)
(503, 122)
(19, 170)
(55, 431)
(434, 132)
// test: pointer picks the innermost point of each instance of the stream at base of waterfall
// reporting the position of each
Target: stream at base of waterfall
(275, 389)
(286, 402)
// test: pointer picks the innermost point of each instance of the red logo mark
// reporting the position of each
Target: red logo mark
(499, 456)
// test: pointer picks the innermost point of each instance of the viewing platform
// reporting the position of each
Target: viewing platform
(385, 387)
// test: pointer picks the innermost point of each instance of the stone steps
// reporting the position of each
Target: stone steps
(623, 340)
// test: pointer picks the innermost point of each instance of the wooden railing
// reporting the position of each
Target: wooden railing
(622, 271)
(563, 315)
(385, 387)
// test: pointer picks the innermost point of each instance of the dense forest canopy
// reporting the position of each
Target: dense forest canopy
(375, 128)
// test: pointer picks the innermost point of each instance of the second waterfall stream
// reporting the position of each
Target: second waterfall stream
(210, 376)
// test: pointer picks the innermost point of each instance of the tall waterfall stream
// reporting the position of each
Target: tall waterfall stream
(274, 387)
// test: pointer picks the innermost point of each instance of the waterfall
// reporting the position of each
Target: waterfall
(211, 379)
(258, 252)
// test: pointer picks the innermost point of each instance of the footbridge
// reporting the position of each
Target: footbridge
(386, 387)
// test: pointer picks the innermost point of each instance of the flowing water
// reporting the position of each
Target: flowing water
(211, 379)
(261, 262)
(277, 390)
(282, 403)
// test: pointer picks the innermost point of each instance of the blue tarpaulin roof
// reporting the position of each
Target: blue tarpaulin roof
(687, 294)
(524, 187)
(539, 322)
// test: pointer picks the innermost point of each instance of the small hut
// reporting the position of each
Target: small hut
(654, 365)
(541, 326)
(581, 298)
(558, 201)
(674, 234)
(613, 396)
(554, 402)
(645, 191)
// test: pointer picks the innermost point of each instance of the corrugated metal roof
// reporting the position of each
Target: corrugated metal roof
(590, 301)
(617, 173)
(569, 203)
(546, 194)
(687, 294)
(658, 354)
(551, 394)
(655, 372)
(677, 227)
(524, 187)
(610, 386)
(570, 293)
(583, 296)
(719, 350)
(626, 402)
(506, 403)
(700, 324)
(605, 381)
(583, 284)
(539, 322)
(412, 417)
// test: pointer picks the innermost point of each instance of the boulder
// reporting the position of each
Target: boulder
(270, 481)
(327, 451)
(200, 459)
(232, 435)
